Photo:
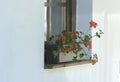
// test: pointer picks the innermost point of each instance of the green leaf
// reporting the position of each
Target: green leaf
(51, 38)
(68, 41)
(64, 31)
(90, 57)
(75, 52)
(74, 58)
(97, 34)
(79, 48)
(101, 32)
(81, 55)
(95, 56)
(86, 39)
(55, 53)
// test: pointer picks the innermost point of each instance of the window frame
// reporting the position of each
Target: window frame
(68, 18)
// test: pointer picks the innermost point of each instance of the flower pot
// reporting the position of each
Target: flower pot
(49, 57)
(69, 57)
(62, 57)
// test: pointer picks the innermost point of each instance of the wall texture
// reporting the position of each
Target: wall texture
(22, 44)
(107, 14)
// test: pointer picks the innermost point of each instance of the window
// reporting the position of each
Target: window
(60, 15)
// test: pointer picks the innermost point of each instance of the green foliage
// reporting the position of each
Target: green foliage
(55, 53)
(51, 38)
(86, 40)
(74, 58)
(75, 52)
(99, 33)
(81, 55)
(95, 56)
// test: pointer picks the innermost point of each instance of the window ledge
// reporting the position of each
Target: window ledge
(66, 64)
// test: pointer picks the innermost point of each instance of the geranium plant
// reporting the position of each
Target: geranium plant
(76, 42)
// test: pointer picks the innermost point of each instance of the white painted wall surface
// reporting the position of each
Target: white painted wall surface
(107, 13)
(22, 44)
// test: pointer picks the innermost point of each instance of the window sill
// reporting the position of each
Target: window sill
(66, 64)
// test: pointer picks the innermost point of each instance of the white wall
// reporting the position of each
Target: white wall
(108, 16)
(22, 44)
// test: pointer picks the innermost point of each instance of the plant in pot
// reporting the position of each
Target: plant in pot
(75, 45)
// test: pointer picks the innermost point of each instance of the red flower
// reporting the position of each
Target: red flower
(89, 45)
(63, 40)
(93, 61)
(77, 32)
(93, 24)
(65, 51)
(68, 49)
(73, 35)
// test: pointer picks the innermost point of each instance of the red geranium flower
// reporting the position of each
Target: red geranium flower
(77, 33)
(89, 45)
(63, 40)
(93, 61)
(68, 49)
(93, 24)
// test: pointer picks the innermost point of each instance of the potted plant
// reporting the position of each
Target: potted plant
(73, 46)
